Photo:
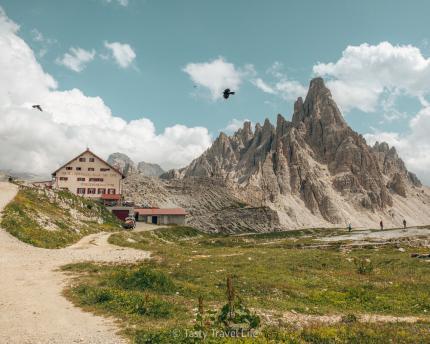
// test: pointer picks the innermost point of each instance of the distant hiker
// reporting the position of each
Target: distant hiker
(381, 224)
(349, 227)
(404, 223)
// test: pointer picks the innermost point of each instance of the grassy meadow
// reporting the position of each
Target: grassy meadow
(299, 294)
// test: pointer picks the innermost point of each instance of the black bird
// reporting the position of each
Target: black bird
(38, 107)
(227, 93)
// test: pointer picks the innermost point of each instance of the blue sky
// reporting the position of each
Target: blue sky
(279, 43)
(167, 35)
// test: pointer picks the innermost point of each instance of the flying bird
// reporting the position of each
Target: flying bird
(227, 93)
(38, 107)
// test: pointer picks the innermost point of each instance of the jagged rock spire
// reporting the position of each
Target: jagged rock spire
(317, 157)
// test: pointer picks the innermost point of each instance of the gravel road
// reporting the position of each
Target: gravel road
(32, 309)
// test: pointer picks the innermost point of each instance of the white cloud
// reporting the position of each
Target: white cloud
(38, 142)
(43, 42)
(120, 2)
(37, 35)
(290, 89)
(217, 75)
(365, 72)
(76, 59)
(282, 86)
(123, 53)
(262, 85)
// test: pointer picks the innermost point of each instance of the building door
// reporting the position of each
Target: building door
(154, 220)
(120, 214)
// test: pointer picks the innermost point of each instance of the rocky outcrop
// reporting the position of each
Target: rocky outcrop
(209, 202)
(127, 166)
(149, 170)
(314, 165)
(123, 163)
(398, 184)
(391, 164)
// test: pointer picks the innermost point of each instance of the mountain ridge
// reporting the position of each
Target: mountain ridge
(313, 166)
(127, 166)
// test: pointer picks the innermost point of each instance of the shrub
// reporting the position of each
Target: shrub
(363, 265)
(144, 279)
(349, 318)
(124, 302)
(234, 317)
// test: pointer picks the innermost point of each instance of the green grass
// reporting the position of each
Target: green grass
(20, 218)
(271, 275)
(357, 333)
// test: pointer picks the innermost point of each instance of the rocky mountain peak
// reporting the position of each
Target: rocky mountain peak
(381, 147)
(282, 125)
(122, 162)
(316, 159)
(222, 137)
(149, 170)
(247, 129)
(317, 88)
(319, 108)
(244, 134)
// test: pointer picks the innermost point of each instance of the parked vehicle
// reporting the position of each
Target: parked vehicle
(129, 223)
(128, 204)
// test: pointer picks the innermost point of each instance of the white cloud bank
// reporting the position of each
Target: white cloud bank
(363, 73)
(76, 59)
(122, 53)
(38, 142)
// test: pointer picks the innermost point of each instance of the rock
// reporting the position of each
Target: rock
(122, 162)
(149, 170)
(390, 164)
(127, 166)
(398, 184)
(414, 179)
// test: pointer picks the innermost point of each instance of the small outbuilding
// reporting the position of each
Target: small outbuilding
(122, 212)
(170, 216)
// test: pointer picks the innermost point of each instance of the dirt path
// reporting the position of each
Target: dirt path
(302, 320)
(32, 309)
(145, 227)
(384, 235)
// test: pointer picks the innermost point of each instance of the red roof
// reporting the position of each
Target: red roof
(157, 211)
(116, 197)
